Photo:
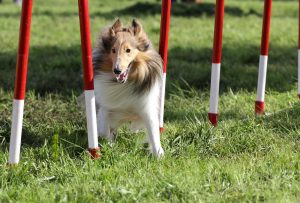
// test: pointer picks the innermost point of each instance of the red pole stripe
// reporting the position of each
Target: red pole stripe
(264, 48)
(94, 153)
(259, 107)
(86, 47)
(23, 51)
(164, 32)
(213, 118)
(218, 34)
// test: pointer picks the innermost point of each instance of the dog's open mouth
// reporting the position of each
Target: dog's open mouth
(123, 76)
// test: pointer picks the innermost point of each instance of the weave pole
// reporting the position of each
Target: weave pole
(163, 51)
(216, 63)
(263, 59)
(299, 50)
(86, 50)
(20, 83)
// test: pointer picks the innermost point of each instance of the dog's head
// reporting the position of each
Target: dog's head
(122, 45)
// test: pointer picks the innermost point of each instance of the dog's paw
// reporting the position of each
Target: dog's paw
(159, 153)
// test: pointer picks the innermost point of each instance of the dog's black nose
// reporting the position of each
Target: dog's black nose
(117, 71)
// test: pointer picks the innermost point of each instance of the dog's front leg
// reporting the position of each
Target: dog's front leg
(105, 128)
(151, 120)
(102, 124)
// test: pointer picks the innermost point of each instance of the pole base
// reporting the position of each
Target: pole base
(213, 118)
(299, 96)
(94, 153)
(259, 107)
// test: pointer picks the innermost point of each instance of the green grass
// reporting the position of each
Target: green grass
(244, 159)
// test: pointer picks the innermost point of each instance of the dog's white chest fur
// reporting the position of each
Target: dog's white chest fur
(120, 97)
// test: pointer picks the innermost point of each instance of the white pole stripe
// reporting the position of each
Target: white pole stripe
(214, 87)
(16, 131)
(162, 101)
(91, 118)
(262, 73)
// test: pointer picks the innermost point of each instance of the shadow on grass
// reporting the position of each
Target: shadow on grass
(59, 70)
(285, 121)
(50, 69)
(148, 8)
(239, 68)
(177, 9)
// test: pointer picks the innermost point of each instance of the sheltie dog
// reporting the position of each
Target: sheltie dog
(128, 74)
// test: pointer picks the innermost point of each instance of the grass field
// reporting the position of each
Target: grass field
(244, 159)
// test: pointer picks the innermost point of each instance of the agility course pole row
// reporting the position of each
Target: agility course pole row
(263, 59)
(90, 104)
(217, 54)
(21, 74)
(216, 63)
(163, 51)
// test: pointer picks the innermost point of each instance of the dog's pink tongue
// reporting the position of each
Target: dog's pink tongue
(122, 76)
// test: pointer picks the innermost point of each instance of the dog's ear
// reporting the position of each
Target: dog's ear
(136, 27)
(117, 26)
(137, 30)
(106, 38)
(108, 34)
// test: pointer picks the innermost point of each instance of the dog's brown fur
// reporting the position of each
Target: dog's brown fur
(113, 45)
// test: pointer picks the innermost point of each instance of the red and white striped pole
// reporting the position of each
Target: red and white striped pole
(299, 50)
(216, 63)
(90, 104)
(163, 51)
(20, 82)
(263, 59)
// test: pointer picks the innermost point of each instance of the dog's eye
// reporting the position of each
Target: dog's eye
(113, 50)
(128, 50)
